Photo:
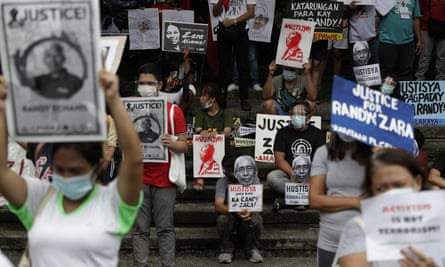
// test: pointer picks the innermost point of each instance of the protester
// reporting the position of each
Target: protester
(391, 86)
(299, 139)
(431, 10)
(233, 38)
(179, 74)
(281, 91)
(252, 59)
(437, 172)
(398, 48)
(159, 192)
(335, 188)
(212, 119)
(389, 169)
(97, 217)
(238, 169)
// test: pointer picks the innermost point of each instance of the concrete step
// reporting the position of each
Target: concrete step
(283, 239)
(203, 214)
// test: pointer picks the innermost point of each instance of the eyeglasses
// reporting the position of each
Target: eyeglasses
(147, 83)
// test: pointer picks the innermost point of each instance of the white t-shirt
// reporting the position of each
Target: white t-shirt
(236, 9)
(89, 236)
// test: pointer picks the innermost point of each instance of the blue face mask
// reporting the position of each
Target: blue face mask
(289, 75)
(387, 89)
(74, 188)
(298, 121)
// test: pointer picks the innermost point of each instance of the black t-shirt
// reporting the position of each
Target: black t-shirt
(294, 143)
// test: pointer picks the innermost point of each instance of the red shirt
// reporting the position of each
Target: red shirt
(157, 173)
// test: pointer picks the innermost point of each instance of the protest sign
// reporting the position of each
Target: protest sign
(245, 197)
(50, 57)
(213, 22)
(149, 115)
(143, 25)
(266, 128)
(368, 74)
(178, 15)
(294, 44)
(360, 2)
(327, 15)
(428, 100)
(208, 153)
(296, 194)
(371, 117)
(179, 35)
(112, 50)
(260, 26)
(395, 221)
(244, 142)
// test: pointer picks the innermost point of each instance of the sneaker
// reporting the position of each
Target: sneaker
(225, 257)
(232, 87)
(257, 87)
(256, 256)
(245, 106)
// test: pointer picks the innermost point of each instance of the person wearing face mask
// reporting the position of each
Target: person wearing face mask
(390, 86)
(159, 192)
(238, 169)
(281, 91)
(390, 170)
(80, 216)
(335, 188)
(211, 119)
(298, 139)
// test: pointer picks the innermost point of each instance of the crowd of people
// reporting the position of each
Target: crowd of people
(78, 186)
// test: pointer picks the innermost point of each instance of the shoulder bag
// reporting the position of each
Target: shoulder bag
(176, 173)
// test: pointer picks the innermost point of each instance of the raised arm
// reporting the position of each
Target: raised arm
(12, 186)
(268, 90)
(130, 173)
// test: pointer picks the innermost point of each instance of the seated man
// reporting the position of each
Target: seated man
(178, 71)
(297, 141)
(281, 91)
(249, 225)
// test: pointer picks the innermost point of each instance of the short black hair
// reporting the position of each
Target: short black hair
(307, 106)
(150, 68)
(91, 151)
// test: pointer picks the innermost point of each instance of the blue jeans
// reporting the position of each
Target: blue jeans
(159, 205)
(252, 60)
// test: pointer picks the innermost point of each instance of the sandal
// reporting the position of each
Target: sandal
(277, 205)
(198, 184)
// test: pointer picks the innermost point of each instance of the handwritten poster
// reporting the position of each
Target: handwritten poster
(371, 117)
(396, 221)
(327, 15)
(294, 45)
(266, 128)
(50, 57)
(428, 100)
(208, 153)
(245, 197)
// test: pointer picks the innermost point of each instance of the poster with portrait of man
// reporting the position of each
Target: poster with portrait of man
(143, 25)
(51, 59)
(208, 153)
(260, 26)
(294, 44)
(179, 35)
(149, 115)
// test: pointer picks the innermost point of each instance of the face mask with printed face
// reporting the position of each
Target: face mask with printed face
(147, 90)
(74, 188)
(298, 121)
(289, 75)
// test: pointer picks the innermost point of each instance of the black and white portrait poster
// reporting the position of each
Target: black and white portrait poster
(260, 26)
(51, 58)
(143, 25)
(179, 35)
(149, 115)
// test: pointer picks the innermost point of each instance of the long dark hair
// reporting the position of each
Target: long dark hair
(337, 150)
(391, 156)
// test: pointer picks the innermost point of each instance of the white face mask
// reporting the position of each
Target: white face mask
(147, 90)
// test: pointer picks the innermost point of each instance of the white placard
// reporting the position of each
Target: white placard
(261, 25)
(208, 153)
(368, 75)
(178, 15)
(112, 50)
(245, 197)
(296, 194)
(143, 26)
